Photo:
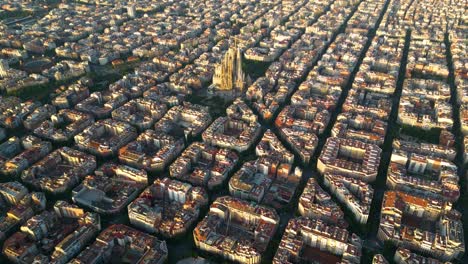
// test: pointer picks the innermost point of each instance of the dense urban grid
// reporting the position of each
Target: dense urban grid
(246, 131)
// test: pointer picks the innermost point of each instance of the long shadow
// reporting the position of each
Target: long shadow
(310, 169)
(462, 204)
(392, 132)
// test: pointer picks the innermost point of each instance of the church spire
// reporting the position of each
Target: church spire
(228, 73)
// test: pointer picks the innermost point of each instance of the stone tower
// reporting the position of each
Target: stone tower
(229, 74)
